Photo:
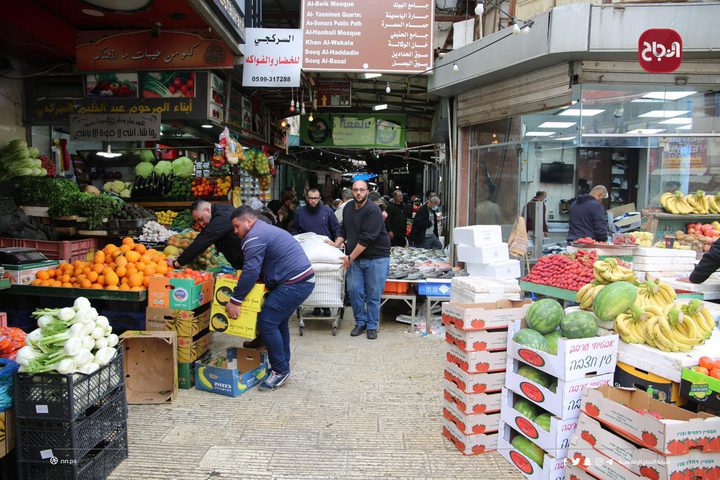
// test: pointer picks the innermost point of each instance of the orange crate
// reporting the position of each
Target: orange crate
(396, 287)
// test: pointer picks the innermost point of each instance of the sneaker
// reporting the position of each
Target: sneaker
(274, 381)
(371, 334)
(317, 311)
(357, 330)
(326, 312)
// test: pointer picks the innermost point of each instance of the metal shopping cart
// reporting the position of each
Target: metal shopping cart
(329, 293)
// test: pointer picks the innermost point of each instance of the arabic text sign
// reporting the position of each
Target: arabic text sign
(273, 57)
(368, 35)
(120, 127)
(660, 50)
(358, 130)
(334, 94)
(142, 51)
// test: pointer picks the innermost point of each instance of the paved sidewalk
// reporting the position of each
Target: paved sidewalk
(353, 409)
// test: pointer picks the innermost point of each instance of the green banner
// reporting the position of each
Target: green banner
(359, 130)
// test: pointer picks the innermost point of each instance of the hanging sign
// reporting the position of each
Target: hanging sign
(660, 50)
(273, 57)
(333, 94)
(120, 127)
(144, 51)
(354, 130)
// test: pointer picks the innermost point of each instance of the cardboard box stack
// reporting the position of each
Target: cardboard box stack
(663, 262)
(541, 401)
(623, 434)
(476, 336)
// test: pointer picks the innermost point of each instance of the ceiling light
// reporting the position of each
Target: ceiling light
(556, 125)
(370, 75)
(479, 8)
(515, 29)
(283, 123)
(206, 125)
(685, 127)
(387, 88)
(563, 139)
(668, 95)
(526, 29)
(576, 112)
(676, 121)
(664, 113)
(382, 106)
(92, 12)
(647, 131)
(108, 153)
(539, 134)
(310, 117)
(455, 67)
(645, 100)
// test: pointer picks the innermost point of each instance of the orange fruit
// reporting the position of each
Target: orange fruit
(146, 282)
(45, 283)
(101, 280)
(112, 287)
(149, 271)
(93, 276)
(140, 248)
(125, 287)
(132, 256)
(128, 241)
(121, 271)
(65, 278)
(121, 261)
(111, 278)
(85, 283)
(135, 279)
(137, 289)
(140, 266)
(67, 285)
(43, 275)
(99, 257)
(51, 273)
(161, 268)
(125, 248)
(96, 286)
(36, 282)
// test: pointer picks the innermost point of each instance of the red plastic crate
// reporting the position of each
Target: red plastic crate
(68, 250)
(396, 287)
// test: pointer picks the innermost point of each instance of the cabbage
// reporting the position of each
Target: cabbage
(33, 152)
(146, 156)
(182, 167)
(163, 166)
(143, 169)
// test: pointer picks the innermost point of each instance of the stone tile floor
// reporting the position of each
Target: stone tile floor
(353, 409)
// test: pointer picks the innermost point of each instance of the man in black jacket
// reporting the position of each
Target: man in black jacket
(708, 264)
(396, 222)
(424, 233)
(588, 217)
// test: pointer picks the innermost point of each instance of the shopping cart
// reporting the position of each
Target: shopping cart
(329, 292)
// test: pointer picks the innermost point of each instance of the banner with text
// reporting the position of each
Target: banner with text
(353, 130)
(107, 128)
(273, 57)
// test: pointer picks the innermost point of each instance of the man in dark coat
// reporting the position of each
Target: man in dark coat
(530, 212)
(396, 222)
(588, 217)
(424, 233)
(315, 217)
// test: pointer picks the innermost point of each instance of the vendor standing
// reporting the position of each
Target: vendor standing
(588, 217)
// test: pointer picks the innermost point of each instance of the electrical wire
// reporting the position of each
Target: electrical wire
(36, 74)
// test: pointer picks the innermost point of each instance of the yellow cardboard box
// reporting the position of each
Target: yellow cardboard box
(243, 326)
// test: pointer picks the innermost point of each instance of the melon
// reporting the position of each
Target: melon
(544, 315)
(531, 338)
(526, 408)
(543, 420)
(529, 449)
(534, 375)
(613, 300)
(552, 341)
(553, 386)
(580, 324)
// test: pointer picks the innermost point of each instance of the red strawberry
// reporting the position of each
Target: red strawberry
(649, 439)
(650, 473)
(587, 436)
(592, 410)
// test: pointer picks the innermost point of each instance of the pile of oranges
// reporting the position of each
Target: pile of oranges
(125, 267)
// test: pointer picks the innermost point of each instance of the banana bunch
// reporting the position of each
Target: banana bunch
(236, 201)
(631, 325)
(701, 317)
(713, 202)
(676, 203)
(699, 202)
(671, 331)
(655, 293)
(609, 271)
(585, 296)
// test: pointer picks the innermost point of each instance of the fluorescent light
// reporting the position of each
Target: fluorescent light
(645, 100)
(539, 134)
(664, 113)
(685, 127)
(585, 112)
(371, 75)
(556, 125)
(206, 125)
(668, 95)
(108, 153)
(676, 121)
(563, 139)
(382, 106)
(647, 131)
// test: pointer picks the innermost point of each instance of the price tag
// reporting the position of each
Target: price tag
(41, 409)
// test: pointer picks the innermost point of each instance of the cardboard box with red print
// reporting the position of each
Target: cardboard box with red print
(584, 458)
(469, 403)
(662, 427)
(555, 441)
(476, 340)
(575, 359)
(573, 472)
(564, 402)
(643, 462)
(484, 316)
(551, 469)
(471, 424)
(469, 444)
(474, 382)
(477, 362)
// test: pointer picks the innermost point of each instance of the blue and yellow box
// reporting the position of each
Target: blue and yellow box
(233, 375)
(243, 326)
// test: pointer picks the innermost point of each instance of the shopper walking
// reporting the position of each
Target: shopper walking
(588, 217)
(396, 222)
(315, 217)
(368, 261)
(424, 233)
(286, 214)
(346, 196)
(276, 256)
(540, 196)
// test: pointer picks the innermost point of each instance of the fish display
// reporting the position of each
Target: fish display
(408, 263)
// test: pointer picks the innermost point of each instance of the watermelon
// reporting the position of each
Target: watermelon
(580, 324)
(553, 386)
(552, 341)
(534, 375)
(526, 408)
(531, 338)
(613, 300)
(543, 420)
(544, 315)
(529, 449)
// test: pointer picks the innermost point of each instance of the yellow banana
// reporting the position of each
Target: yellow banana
(709, 320)
(582, 294)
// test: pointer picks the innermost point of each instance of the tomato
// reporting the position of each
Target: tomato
(702, 370)
(707, 363)
(177, 82)
(190, 83)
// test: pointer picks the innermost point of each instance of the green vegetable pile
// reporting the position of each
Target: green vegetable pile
(182, 167)
(143, 169)
(180, 188)
(17, 160)
(97, 208)
(183, 220)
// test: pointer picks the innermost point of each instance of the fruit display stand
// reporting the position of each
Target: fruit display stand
(402, 290)
(548, 291)
(708, 290)
(669, 223)
(4, 283)
(92, 294)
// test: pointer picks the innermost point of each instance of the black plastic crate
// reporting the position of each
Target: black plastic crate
(37, 440)
(54, 396)
(98, 464)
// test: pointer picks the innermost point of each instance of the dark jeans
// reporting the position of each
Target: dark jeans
(431, 243)
(365, 282)
(273, 321)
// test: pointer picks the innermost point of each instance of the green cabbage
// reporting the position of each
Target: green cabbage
(182, 167)
(146, 156)
(163, 166)
(33, 152)
(143, 169)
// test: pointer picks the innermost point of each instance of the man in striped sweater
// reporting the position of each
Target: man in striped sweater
(275, 255)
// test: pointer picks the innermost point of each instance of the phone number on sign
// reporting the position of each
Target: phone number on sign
(270, 79)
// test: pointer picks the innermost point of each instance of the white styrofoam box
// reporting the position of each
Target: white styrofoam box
(460, 295)
(576, 358)
(661, 264)
(474, 382)
(564, 402)
(473, 423)
(477, 340)
(673, 253)
(477, 235)
(498, 270)
(556, 441)
(551, 469)
(483, 316)
(486, 285)
(477, 362)
(471, 403)
(488, 253)
(469, 444)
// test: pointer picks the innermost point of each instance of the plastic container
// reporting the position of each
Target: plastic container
(53, 396)
(7, 371)
(434, 289)
(68, 250)
(400, 288)
(69, 441)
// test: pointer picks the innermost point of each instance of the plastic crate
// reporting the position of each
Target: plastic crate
(98, 464)
(396, 287)
(68, 250)
(434, 289)
(36, 440)
(53, 396)
(7, 372)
